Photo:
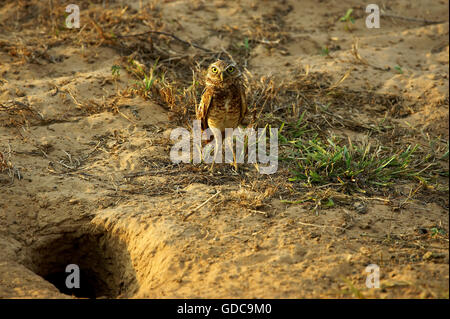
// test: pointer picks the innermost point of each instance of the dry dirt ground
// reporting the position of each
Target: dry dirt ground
(86, 176)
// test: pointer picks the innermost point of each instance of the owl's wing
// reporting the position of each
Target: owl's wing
(203, 107)
(243, 103)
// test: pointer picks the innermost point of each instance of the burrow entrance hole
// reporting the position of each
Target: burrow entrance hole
(105, 267)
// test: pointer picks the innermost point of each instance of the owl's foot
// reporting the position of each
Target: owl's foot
(236, 170)
(235, 165)
(211, 169)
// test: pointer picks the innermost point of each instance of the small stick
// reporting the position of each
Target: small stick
(200, 206)
(374, 198)
(393, 16)
(266, 214)
(321, 226)
(70, 157)
(264, 41)
(166, 34)
(66, 166)
(123, 115)
(228, 54)
(74, 99)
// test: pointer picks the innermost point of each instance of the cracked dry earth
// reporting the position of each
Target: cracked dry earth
(100, 191)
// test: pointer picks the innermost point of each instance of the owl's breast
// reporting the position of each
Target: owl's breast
(225, 111)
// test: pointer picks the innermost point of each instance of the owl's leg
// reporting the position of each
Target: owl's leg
(235, 164)
(229, 142)
(216, 140)
(211, 169)
(207, 141)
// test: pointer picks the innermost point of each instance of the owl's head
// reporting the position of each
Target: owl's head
(222, 74)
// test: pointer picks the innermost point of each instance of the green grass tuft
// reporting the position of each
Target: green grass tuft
(323, 160)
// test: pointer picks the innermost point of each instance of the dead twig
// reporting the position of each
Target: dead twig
(395, 16)
(201, 205)
(321, 226)
(360, 59)
(173, 36)
(335, 85)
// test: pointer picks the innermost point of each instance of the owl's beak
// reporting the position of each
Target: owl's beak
(221, 76)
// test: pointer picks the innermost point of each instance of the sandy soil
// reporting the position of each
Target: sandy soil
(95, 185)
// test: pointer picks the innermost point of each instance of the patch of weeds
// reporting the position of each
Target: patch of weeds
(115, 70)
(150, 77)
(166, 86)
(352, 290)
(445, 156)
(147, 80)
(348, 16)
(398, 69)
(437, 231)
(246, 44)
(321, 199)
(348, 19)
(243, 48)
(325, 51)
(320, 160)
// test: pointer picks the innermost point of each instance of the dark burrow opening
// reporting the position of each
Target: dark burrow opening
(88, 285)
(103, 268)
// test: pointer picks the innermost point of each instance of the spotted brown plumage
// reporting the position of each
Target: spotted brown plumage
(223, 101)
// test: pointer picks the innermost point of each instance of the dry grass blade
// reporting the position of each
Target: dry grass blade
(201, 205)
(173, 36)
(360, 59)
(355, 52)
(335, 85)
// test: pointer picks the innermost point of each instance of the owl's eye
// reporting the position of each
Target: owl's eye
(214, 69)
(230, 69)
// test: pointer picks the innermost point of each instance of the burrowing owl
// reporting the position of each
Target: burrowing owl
(223, 101)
